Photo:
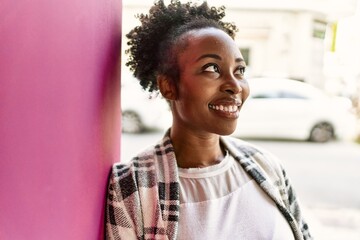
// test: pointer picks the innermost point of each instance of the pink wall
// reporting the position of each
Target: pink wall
(59, 116)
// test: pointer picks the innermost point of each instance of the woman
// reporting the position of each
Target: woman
(196, 183)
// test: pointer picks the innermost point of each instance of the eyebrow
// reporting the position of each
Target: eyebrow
(215, 56)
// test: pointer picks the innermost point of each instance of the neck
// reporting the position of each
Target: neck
(196, 150)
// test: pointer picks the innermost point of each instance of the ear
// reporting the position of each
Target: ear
(166, 87)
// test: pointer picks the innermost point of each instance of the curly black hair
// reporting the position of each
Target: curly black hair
(153, 43)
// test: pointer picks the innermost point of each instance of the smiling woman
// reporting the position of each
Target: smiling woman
(211, 83)
(197, 183)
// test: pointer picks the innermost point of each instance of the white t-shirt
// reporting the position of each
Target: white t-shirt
(223, 202)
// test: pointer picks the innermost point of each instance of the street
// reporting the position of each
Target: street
(325, 177)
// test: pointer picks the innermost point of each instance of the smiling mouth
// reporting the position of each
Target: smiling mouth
(225, 108)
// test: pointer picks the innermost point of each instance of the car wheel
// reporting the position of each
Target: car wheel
(322, 132)
(131, 122)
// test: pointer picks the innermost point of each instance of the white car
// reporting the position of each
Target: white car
(142, 110)
(290, 109)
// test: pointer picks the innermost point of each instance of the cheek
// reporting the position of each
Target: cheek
(190, 90)
(193, 100)
(190, 99)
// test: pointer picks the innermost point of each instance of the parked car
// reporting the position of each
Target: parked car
(290, 109)
(142, 110)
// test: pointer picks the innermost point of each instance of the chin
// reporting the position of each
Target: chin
(225, 131)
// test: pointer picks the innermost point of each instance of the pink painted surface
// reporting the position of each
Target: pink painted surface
(59, 116)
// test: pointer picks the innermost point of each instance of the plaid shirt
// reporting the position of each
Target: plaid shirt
(143, 195)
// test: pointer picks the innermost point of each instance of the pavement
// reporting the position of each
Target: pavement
(331, 223)
(334, 223)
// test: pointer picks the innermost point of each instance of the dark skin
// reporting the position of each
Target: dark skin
(208, 98)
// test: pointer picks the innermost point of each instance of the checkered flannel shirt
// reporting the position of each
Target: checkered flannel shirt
(143, 195)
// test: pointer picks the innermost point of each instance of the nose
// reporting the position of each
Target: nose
(232, 86)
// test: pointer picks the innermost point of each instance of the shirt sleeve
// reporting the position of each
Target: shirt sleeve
(295, 207)
(119, 223)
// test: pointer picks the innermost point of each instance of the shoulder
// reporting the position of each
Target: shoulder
(243, 146)
(148, 165)
(143, 160)
(129, 178)
(257, 155)
(248, 149)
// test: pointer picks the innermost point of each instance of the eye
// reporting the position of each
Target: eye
(211, 67)
(240, 71)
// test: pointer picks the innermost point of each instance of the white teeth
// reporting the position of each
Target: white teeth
(231, 108)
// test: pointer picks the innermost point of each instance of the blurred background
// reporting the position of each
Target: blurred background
(303, 62)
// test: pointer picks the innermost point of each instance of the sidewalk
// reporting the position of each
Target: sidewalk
(334, 223)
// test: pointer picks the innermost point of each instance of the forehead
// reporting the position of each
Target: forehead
(209, 40)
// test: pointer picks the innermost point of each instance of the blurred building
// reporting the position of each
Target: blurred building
(343, 62)
(277, 38)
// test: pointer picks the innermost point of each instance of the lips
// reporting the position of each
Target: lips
(224, 108)
(228, 105)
